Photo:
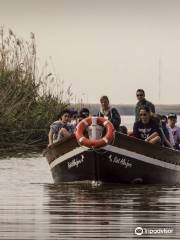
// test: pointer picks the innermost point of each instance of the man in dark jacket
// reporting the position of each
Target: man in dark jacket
(142, 102)
(110, 113)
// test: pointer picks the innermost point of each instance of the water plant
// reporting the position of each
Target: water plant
(27, 105)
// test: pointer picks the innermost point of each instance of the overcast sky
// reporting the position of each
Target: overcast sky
(107, 47)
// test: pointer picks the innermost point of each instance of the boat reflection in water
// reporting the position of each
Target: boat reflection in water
(33, 207)
(111, 211)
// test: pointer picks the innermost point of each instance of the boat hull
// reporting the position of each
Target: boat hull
(115, 163)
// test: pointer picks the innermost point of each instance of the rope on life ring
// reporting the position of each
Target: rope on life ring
(95, 143)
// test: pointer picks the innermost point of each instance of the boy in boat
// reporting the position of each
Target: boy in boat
(172, 120)
(61, 128)
(140, 94)
(147, 128)
(83, 113)
(110, 113)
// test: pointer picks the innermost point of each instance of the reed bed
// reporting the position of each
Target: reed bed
(27, 106)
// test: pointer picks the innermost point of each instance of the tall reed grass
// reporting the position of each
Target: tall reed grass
(27, 106)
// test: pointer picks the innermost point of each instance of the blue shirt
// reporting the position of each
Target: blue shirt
(56, 126)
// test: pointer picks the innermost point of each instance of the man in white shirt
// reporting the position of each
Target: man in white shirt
(172, 120)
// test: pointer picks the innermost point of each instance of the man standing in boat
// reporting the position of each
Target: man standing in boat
(111, 114)
(140, 94)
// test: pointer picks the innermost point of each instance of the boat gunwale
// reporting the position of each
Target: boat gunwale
(54, 151)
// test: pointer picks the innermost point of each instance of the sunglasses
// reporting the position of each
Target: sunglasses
(139, 95)
(143, 114)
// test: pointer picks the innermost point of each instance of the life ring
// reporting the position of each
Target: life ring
(95, 143)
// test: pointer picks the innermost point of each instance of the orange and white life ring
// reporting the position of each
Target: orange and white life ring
(95, 143)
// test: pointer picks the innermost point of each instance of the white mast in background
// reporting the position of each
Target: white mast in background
(159, 79)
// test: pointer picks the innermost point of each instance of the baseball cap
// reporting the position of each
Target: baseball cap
(84, 112)
(172, 115)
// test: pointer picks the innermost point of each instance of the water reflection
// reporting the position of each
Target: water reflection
(110, 211)
(32, 207)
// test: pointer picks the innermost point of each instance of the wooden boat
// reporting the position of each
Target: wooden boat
(124, 160)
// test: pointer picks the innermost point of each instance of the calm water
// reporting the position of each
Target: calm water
(32, 207)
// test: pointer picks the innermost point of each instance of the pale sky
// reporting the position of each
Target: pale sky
(107, 47)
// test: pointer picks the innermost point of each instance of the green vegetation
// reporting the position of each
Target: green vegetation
(27, 107)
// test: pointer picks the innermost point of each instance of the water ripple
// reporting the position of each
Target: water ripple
(32, 207)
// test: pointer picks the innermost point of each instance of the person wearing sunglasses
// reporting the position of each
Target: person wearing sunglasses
(61, 128)
(140, 94)
(147, 128)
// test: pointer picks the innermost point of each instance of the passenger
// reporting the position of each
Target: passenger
(164, 133)
(172, 120)
(61, 128)
(110, 113)
(140, 94)
(83, 113)
(164, 118)
(146, 128)
(171, 138)
(73, 115)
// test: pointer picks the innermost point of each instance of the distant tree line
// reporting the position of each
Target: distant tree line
(128, 109)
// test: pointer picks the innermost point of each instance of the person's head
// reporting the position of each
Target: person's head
(157, 117)
(164, 118)
(73, 114)
(140, 94)
(123, 129)
(64, 116)
(104, 100)
(172, 119)
(145, 114)
(83, 113)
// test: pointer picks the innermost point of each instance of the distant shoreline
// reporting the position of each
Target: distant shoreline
(128, 109)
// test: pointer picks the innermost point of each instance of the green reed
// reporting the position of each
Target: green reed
(27, 105)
